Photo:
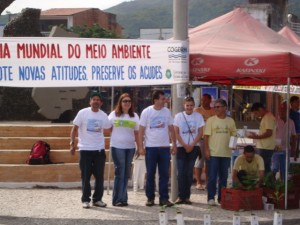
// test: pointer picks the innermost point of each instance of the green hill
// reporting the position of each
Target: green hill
(137, 14)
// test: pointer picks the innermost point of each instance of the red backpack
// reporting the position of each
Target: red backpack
(40, 154)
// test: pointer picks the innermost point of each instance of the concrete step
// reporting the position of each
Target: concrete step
(27, 142)
(67, 172)
(20, 156)
(16, 141)
(37, 130)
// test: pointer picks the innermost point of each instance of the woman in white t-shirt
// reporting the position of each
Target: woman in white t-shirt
(188, 127)
(125, 124)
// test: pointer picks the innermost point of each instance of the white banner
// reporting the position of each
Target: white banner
(279, 89)
(75, 62)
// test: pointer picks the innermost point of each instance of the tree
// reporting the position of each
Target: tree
(4, 4)
(26, 24)
(95, 31)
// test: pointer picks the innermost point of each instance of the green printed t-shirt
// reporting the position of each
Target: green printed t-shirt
(123, 129)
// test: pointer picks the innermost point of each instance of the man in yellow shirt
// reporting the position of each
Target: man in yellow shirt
(265, 139)
(250, 164)
(217, 132)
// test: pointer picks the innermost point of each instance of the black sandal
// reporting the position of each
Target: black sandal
(179, 201)
(188, 202)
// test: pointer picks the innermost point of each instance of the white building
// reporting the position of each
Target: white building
(156, 33)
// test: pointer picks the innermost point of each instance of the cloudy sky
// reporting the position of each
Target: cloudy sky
(18, 5)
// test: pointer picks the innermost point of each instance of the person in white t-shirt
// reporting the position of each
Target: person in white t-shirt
(125, 125)
(282, 123)
(155, 131)
(188, 127)
(89, 126)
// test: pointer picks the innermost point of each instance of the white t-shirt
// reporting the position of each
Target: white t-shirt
(157, 124)
(281, 127)
(122, 135)
(192, 123)
(90, 131)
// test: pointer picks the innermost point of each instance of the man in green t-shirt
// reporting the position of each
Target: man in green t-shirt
(248, 166)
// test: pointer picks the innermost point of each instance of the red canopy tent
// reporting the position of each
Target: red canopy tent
(237, 49)
(290, 35)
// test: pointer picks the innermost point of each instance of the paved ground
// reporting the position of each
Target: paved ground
(62, 206)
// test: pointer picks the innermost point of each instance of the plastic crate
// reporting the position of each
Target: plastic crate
(292, 201)
(296, 180)
(236, 199)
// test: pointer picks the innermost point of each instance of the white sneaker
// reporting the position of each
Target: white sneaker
(211, 202)
(86, 205)
(99, 204)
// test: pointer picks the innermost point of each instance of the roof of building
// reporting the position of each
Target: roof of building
(63, 11)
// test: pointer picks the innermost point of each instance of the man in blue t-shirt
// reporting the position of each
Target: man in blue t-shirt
(295, 116)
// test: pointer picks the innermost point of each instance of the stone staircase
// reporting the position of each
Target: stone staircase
(16, 141)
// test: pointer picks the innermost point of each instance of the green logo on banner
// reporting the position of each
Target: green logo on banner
(168, 73)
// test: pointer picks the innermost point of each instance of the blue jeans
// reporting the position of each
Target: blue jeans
(122, 160)
(217, 171)
(92, 162)
(278, 163)
(157, 156)
(267, 157)
(185, 165)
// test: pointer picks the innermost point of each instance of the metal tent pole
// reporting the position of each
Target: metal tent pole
(109, 158)
(287, 145)
(180, 26)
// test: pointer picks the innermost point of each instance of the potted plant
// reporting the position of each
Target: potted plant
(248, 182)
(274, 190)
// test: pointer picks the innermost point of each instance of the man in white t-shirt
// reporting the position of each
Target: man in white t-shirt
(156, 130)
(89, 125)
(282, 123)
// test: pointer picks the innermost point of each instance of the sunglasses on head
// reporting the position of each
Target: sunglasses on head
(189, 98)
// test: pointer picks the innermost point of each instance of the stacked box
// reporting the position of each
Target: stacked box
(237, 199)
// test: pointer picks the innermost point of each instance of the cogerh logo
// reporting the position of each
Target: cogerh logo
(177, 53)
(251, 61)
(197, 61)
